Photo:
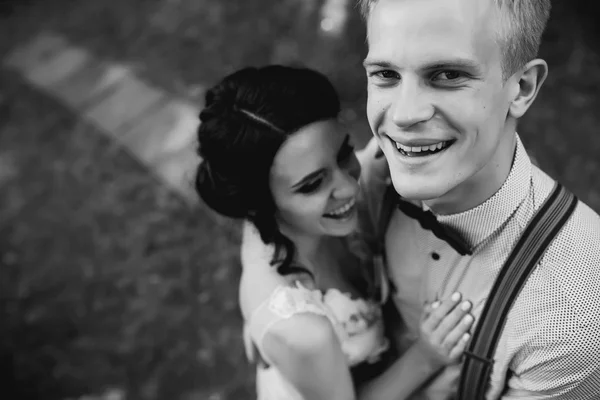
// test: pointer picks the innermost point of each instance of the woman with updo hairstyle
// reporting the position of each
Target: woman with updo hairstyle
(245, 121)
(274, 154)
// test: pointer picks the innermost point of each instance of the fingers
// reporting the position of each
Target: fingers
(426, 311)
(455, 341)
(453, 319)
(439, 310)
(459, 348)
(462, 327)
(445, 328)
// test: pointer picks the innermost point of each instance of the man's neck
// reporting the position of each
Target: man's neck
(481, 186)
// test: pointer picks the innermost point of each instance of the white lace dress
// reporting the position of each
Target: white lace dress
(357, 323)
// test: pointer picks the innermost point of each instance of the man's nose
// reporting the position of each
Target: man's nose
(411, 105)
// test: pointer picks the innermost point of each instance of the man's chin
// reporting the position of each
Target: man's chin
(417, 191)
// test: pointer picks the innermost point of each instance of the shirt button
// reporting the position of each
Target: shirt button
(435, 256)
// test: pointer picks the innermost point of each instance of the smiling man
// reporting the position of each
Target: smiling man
(448, 81)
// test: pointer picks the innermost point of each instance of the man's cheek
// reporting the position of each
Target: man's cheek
(376, 113)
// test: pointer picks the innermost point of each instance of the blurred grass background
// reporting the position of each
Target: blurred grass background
(110, 285)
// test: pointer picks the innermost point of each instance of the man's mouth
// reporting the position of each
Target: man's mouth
(423, 150)
(342, 212)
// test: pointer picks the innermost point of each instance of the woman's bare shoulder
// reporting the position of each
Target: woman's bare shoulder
(257, 289)
(303, 334)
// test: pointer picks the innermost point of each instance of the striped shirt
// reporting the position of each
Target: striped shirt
(550, 345)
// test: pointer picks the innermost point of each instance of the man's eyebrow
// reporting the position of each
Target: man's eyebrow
(453, 63)
(377, 63)
(438, 64)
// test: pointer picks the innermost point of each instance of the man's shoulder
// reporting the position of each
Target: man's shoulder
(574, 255)
(577, 243)
(581, 233)
(568, 276)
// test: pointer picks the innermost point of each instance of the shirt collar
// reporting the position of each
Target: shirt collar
(477, 224)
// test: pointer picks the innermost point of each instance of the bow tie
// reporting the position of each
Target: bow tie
(428, 221)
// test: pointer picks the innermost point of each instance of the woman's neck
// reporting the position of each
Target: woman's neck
(309, 249)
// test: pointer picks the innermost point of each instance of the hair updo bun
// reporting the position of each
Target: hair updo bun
(220, 101)
(219, 193)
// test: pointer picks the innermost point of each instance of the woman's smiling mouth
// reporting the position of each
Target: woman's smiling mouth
(342, 212)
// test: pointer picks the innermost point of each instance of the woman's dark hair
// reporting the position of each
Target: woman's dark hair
(246, 119)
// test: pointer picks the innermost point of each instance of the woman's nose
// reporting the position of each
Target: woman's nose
(346, 185)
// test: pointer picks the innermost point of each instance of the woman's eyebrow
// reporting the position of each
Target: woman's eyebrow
(308, 178)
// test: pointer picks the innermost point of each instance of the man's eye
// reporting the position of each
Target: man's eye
(388, 74)
(311, 186)
(448, 76)
(384, 75)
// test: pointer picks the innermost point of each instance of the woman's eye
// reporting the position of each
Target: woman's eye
(311, 186)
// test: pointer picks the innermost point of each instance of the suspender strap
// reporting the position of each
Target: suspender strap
(539, 233)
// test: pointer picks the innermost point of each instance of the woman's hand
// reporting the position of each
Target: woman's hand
(444, 330)
(444, 334)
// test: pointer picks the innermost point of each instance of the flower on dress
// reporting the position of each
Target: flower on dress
(357, 315)
(287, 301)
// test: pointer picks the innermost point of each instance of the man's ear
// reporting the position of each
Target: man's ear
(528, 82)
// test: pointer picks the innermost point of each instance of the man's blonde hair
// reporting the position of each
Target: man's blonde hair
(522, 24)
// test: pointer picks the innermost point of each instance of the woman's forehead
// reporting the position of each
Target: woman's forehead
(307, 150)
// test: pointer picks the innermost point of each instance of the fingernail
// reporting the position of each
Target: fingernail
(465, 306)
(466, 336)
(435, 304)
(468, 319)
(455, 296)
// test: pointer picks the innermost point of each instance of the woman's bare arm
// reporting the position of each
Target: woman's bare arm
(307, 352)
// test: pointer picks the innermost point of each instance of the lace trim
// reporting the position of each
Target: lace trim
(348, 316)
(353, 316)
(288, 300)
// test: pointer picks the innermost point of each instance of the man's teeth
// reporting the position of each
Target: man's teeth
(343, 209)
(418, 149)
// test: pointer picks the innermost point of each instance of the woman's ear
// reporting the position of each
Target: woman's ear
(527, 83)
